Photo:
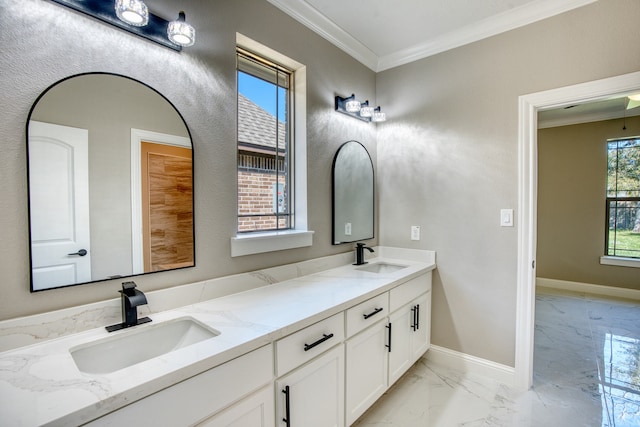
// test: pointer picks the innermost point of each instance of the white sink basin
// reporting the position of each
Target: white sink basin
(381, 267)
(135, 345)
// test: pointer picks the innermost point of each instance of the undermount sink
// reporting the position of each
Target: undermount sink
(381, 267)
(139, 344)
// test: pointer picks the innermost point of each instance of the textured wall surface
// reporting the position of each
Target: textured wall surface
(43, 43)
(447, 158)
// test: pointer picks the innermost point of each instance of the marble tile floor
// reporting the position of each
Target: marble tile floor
(586, 373)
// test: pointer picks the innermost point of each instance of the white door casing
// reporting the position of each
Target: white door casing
(59, 205)
(137, 137)
(529, 105)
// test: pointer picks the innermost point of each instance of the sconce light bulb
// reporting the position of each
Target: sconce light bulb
(179, 32)
(133, 12)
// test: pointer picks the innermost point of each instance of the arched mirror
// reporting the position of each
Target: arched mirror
(110, 165)
(353, 194)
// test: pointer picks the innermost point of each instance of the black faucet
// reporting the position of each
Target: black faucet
(360, 247)
(131, 298)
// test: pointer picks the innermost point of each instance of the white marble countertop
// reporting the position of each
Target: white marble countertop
(41, 385)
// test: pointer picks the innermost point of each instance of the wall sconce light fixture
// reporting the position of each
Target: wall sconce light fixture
(180, 32)
(359, 110)
(133, 16)
(133, 12)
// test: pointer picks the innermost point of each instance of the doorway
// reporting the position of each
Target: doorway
(529, 106)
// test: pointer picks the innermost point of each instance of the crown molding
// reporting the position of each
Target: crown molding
(531, 12)
(308, 16)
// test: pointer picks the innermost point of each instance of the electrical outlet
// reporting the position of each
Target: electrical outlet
(415, 232)
(347, 229)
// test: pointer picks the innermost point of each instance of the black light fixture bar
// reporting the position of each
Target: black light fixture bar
(155, 30)
(341, 108)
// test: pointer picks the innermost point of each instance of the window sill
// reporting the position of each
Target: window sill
(258, 243)
(620, 261)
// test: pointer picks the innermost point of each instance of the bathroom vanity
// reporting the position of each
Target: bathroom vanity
(314, 350)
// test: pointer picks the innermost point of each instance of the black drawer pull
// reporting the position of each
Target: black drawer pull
(389, 346)
(414, 311)
(373, 313)
(287, 410)
(417, 316)
(325, 337)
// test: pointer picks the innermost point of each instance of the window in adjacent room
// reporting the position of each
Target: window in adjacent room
(623, 198)
(265, 146)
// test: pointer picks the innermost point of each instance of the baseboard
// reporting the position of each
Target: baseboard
(588, 288)
(471, 364)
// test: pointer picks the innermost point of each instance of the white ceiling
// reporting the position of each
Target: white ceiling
(383, 34)
(604, 109)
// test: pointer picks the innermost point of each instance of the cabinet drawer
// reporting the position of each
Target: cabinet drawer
(367, 313)
(309, 342)
(408, 291)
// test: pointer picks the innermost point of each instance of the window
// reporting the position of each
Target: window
(265, 179)
(623, 198)
(281, 223)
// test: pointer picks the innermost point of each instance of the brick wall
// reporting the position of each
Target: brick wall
(255, 196)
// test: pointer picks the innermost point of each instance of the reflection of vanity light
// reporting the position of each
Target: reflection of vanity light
(132, 12)
(354, 108)
(180, 32)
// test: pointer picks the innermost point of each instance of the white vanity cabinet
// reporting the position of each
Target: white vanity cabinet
(366, 355)
(196, 399)
(377, 354)
(310, 363)
(410, 335)
(256, 410)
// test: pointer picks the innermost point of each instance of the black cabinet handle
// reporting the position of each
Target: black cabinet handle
(414, 324)
(287, 413)
(389, 346)
(373, 313)
(81, 252)
(417, 316)
(325, 337)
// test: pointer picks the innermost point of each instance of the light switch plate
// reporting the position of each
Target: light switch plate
(347, 229)
(506, 217)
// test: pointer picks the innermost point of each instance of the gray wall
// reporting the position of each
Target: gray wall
(43, 43)
(572, 178)
(447, 158)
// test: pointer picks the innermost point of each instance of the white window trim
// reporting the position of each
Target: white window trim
(300, 236)
(620, 261)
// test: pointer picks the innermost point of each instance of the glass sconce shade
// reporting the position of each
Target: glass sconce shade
(352, 106)
(180, 32)
(366, 110)
(133, 12)
(378, 116)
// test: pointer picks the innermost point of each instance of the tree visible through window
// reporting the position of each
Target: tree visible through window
(264, 146)
(623, 198)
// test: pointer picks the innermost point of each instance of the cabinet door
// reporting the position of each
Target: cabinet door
(421, 336)
(313, 395)
(366, 378)
(400, 354)
(256, 410)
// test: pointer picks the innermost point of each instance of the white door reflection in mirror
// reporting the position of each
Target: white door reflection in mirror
(59, 205)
